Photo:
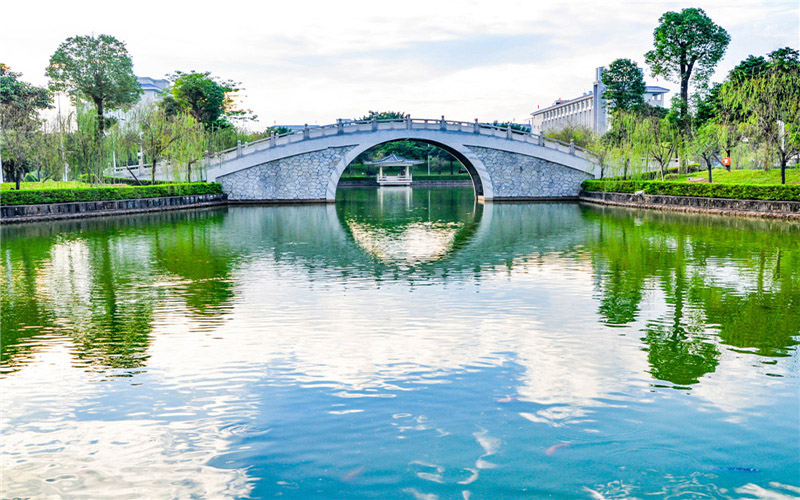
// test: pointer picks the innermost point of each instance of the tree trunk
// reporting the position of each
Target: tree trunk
(783, 169)
(708, 165)
(100, 121)
(18, 177)
(153, 171)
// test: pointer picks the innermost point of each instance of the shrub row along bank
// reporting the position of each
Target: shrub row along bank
(34, 197)
(731, 191)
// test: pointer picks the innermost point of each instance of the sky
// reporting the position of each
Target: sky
(315, 61)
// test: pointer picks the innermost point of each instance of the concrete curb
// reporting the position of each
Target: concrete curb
(13, 214)
(719, 206)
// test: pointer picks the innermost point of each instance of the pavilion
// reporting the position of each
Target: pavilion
(393, 160)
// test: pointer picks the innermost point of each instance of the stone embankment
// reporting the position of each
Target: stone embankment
(719, 206)
(54, 211)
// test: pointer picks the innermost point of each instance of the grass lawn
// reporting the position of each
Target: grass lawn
(722, 176)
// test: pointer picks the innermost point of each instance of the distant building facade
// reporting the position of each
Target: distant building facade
(588, 110)
(151, 88)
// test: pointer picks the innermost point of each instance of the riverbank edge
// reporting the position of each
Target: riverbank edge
(789, 210)
(15, 214)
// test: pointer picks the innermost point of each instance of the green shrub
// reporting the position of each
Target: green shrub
(732, 191)
(33, 197)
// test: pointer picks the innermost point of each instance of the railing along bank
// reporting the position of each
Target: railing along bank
(348, 127)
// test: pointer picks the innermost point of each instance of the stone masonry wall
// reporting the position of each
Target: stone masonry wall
(299, 177)
(516, 175)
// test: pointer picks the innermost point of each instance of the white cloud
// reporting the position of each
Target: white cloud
(315, 61)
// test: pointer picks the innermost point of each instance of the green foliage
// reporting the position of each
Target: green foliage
(31, 197)
(656, 138)
(21, 136)
(512, 125)
(15, 92)
(624, 81)
(582, 136)
(687, 47)
(765, 96)
(209, 100)
(97, 69)
(383, 115)
(732, 191)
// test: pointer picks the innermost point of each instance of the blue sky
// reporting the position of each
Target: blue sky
(315, 61)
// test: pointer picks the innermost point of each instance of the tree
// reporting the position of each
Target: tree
(625, 87)
(769, 98)
(158, 134)
(657, 139)
(383, 115)
(97, 69)
(20, 127)
(687, 47)
(190, 149)
(581, 135)
(209, 100)
(706, 144)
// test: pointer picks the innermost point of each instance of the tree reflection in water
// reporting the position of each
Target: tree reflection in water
(735, 280)
(691, 284)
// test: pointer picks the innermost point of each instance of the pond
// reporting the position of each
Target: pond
(401, 343)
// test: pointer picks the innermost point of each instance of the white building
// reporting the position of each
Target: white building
(588, 110)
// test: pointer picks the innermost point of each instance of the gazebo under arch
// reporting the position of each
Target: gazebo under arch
(393, 160)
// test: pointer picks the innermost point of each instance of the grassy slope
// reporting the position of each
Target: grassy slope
(722, 176)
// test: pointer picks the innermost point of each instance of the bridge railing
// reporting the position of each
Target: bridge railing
(359, 126)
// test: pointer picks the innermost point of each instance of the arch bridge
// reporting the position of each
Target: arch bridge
(504, 164)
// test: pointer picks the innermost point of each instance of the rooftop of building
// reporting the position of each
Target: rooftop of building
(154, 84)
(649, 89)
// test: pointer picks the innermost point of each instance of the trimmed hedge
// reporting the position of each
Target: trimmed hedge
(34, 197)
(705, 190)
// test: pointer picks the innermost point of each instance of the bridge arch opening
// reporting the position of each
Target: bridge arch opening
(378, 149)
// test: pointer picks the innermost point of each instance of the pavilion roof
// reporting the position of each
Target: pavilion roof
(393, 160)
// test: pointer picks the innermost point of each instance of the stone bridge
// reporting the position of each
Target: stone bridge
(504, 164)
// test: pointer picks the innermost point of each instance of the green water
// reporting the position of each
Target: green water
(401, 344)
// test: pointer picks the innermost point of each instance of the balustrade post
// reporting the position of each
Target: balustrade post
(443, 124)
(305, 131)
(508, 131)
(541, 140)
(572, 146)
(476, 128)
(238, 148)
(408, 123)
(272, 140)
(339, 126)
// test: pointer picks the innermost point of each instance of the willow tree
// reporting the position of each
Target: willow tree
(657, 139)
(770, 102)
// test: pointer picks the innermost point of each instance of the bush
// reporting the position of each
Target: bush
(732, 191)
(65, 195)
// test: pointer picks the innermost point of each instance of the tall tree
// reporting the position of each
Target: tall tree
(20, 127)
(97, 69)
(625, 87)
(769, 98)
(687, 47)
